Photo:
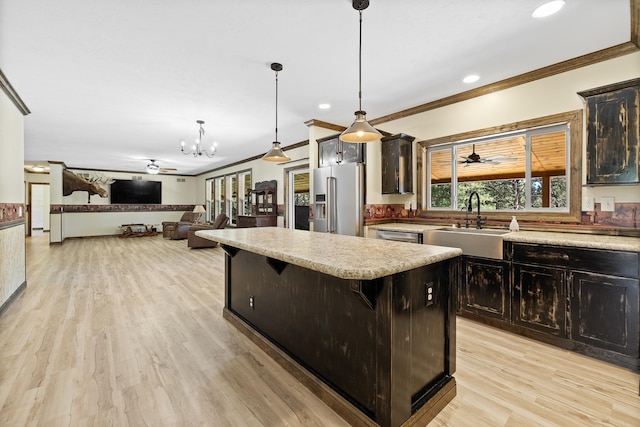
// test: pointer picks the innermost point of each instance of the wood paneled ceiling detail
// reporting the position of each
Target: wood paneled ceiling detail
(301, 183)
(507, 159)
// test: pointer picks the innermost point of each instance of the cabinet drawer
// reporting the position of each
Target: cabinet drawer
(617, 263)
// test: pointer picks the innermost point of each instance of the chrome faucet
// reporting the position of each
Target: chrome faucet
(479, 221)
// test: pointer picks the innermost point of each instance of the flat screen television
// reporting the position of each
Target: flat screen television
(124, 191)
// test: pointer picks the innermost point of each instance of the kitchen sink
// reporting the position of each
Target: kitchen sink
(481, 242)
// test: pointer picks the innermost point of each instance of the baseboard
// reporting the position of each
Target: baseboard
(15, 295)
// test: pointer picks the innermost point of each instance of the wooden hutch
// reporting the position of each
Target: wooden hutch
(264, 207)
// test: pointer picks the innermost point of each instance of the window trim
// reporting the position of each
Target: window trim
(574, 120)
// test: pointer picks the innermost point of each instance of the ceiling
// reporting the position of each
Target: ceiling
(112, 84)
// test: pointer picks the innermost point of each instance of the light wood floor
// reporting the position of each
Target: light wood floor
(129, 332)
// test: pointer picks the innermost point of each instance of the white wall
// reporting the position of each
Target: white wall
(552, 95)
(11, 152)
(176, 190)
(173, 191)
(81, 224)
(12, 244)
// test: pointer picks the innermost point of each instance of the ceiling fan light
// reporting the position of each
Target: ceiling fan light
(360, 131)
(276, 154)
(153, 169)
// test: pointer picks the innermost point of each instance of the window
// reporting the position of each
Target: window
(526, 168)
(227, 194)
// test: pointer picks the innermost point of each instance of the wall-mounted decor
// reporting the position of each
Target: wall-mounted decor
(613, 126)
(72, 182)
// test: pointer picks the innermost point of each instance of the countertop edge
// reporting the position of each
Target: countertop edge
(350, 272)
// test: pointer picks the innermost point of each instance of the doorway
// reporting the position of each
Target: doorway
(298, 197)
(38, 208)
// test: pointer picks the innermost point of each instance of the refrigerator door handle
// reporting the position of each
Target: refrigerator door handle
(331, 204)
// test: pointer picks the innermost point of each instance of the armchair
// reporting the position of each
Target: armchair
(194, 241)
(178, 229)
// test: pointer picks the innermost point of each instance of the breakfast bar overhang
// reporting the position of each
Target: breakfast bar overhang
(368, 325)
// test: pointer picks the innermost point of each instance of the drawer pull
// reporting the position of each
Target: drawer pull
(565, 257)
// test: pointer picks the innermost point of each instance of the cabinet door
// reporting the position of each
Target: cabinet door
(612, 137)
(389, 160)
(604, 312)
(328, 152)
(484, 288)
(539, 298)
(397, 164)
(334, 152)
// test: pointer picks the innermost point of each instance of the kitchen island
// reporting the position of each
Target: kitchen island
(368, 325)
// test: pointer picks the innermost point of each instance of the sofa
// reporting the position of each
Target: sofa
(194, 241)
(177, 230)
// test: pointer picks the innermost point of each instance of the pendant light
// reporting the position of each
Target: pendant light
(360, 131)
(276, 154)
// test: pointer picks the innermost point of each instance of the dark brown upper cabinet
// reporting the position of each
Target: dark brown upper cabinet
(613, 127)
(397, 164)
(332, 151)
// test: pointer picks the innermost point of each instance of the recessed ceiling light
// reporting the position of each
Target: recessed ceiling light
(548, 9)
(471, 78)
(37, 168)
(324, 106)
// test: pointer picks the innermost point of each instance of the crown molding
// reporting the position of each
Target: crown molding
(541, 73)
(13, 95)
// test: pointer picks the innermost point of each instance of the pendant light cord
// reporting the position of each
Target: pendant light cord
(276, 106)
(360, 66)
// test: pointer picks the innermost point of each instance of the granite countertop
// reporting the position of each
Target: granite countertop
(346, 257)
(595, 241)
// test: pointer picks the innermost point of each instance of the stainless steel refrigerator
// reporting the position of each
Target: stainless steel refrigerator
(338, 194)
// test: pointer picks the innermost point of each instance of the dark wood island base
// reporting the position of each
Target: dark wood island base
(333, 399)
(373, 337)
(368, 325)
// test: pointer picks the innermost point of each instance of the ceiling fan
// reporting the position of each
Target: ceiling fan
(475, 158)
(153, 168)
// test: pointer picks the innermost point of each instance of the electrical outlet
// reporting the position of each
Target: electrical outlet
(588, 204)
(607, 204)
(251, 303)
(428, 295)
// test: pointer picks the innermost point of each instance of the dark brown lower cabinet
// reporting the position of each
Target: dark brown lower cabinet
(586, 300)
(539, 298)
(484, 287)
(604, 310)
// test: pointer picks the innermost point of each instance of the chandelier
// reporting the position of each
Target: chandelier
(196, 149)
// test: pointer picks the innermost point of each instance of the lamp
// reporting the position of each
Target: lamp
(200, 210)
(276, 154)
(360, 131)
(196, 149)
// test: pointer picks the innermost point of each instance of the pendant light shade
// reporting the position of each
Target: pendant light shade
(276, 154)
(360, 131)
